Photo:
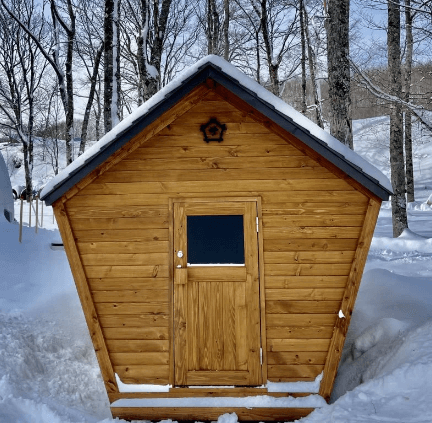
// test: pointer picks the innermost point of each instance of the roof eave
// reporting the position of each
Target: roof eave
(212, 71)
(305, 136)
(123, 138)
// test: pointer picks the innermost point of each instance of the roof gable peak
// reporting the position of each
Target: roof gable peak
(216, 69)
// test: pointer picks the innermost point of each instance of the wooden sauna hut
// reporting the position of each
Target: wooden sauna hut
(217, 240)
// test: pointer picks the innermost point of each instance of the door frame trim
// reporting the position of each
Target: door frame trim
(261, 273)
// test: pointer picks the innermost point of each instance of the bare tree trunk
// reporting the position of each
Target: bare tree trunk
(116, 100)
(93, 81)
(339, 82)
(97, 110)
(408, 114)
(30, 84)
(151, 34)
(160, 26)
(303, 59)
(108, 64)
(273, 64)
(258, 57)
(226, 29)
(409, 158)
(69, 85)
(399, 215)
(212, 27)
(28, 172)
(312, 68)
(142, 51)
(68, 94)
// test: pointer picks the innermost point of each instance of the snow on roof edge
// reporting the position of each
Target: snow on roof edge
(246, 82)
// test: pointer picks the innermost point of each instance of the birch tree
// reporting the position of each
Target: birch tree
(110, 68)
(339, 82)
(303, 57)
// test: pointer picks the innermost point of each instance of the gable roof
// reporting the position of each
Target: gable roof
(245, 88)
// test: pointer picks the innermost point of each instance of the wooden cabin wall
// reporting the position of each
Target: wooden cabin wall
(311, 222)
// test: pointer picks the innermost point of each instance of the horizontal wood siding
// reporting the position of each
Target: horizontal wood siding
(311, 221)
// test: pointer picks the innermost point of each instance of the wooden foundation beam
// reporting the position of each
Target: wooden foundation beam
(209, 413)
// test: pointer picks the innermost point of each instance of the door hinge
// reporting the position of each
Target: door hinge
(257, 224)
(261, 356)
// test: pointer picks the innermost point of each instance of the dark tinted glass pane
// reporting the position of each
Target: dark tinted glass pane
(215, 239)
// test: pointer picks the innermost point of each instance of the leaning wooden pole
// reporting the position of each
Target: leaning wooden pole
(37, 215)
(30, 206)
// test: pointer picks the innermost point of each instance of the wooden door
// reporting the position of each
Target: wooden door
(216, 294)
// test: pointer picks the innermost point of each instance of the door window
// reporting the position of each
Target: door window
(215, 240)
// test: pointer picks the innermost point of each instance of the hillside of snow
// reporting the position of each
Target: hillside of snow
(48, 369)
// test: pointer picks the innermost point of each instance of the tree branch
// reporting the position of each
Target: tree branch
(416, 110)
(34, 38)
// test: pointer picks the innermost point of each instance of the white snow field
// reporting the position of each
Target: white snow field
(48, 369)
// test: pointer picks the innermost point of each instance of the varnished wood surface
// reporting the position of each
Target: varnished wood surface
(137, 346)
(216, 308)
(151, 175)
(156, 374)
(210, 414)
(132, 188)
(119, 247)
(304, 257)
(139, 320)
(348, 301)
(311, 217)
(86, 299)
(294, 357)
(206, 392)
(305, 282)
(297, 345)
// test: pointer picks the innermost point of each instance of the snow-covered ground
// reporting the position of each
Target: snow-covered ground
(48, 370)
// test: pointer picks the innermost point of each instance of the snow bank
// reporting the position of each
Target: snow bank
(31, 272)
(49, 373)
(133, 387)
(312, 387)
(397, 388)
(408, 241)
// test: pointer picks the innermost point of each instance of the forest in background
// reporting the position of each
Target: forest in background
(72, 69)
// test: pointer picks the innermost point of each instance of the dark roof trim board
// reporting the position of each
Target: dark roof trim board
(212, 71)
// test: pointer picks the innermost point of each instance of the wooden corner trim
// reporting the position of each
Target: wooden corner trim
(261, 264)
(348, 301)
(180, 199)
(85, 298)
(171, 291)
